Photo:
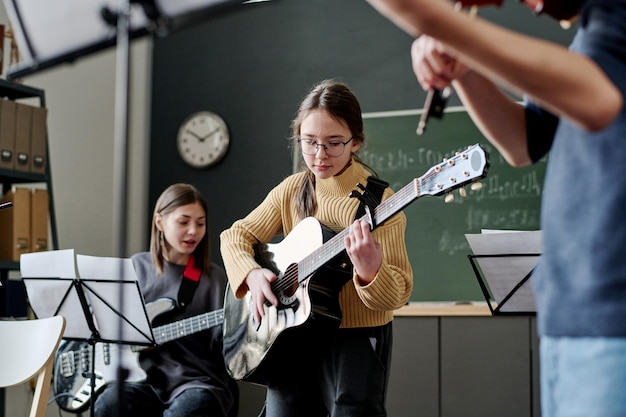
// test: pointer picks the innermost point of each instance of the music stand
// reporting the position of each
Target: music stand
(93, 311)
(503, 263)
(508, 293)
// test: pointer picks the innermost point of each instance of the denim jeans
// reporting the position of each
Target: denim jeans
(583, 377)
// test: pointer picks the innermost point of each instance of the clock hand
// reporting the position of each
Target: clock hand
(195, 135)
(214, 131)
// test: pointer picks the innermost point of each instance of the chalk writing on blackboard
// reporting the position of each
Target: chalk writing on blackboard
(509, 197)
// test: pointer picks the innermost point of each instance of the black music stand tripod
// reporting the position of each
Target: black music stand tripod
(93, 312)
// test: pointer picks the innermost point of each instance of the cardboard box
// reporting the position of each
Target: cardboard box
(15, 225)
(38, 141)
(40, 204)
(7, 134)
(23, 127)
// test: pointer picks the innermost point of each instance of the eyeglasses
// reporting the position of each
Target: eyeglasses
(332, 148)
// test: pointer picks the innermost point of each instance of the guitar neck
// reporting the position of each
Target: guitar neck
(464, 167)
(181, 328)
(335, 245)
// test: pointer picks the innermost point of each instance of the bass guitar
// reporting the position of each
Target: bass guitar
(312, 266)
(73, 359)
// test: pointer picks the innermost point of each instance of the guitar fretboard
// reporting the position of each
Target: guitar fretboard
(335, 245)
(181, 328)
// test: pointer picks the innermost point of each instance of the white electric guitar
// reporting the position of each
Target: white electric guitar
(73, 359)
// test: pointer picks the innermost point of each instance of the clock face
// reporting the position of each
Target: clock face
(203, 139)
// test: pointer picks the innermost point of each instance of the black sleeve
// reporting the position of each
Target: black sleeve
(540, 128)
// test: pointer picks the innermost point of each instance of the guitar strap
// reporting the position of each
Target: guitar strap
(191, 279)
(371, 196)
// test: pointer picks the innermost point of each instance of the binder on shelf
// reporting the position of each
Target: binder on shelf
(15, 225)
(23, 124)
(40, 203)
(38, 141)
(7, 134)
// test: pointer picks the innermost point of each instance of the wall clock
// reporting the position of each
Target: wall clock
(203, 139)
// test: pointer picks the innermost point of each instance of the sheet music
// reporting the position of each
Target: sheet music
(114, 300)
(55, 296)
(98, 267)
(492, 242)
(111, 311)
(503, 274)
(54, 263)
(45, 295)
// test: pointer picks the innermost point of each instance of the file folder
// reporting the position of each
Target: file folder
(38, 141)
(15, 225)
(7, 134)
(40, 203)
(23, 125)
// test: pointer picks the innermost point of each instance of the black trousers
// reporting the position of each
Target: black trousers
(342, 375)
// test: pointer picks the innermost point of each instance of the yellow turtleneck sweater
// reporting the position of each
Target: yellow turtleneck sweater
(361, 306)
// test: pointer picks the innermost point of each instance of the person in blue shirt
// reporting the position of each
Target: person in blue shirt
(574, 109)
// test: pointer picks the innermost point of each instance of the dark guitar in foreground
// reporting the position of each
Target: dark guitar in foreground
(73, 359)
(312, 266)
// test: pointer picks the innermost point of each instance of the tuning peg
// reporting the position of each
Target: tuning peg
(448, 198)
(476, 186)
(462, 192)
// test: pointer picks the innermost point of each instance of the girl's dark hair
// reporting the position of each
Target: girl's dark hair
(175, 196)
(338, 100)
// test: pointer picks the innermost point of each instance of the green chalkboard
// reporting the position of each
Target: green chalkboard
(509, 198)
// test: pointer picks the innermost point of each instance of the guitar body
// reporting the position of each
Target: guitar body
(255, 352)
(72, 371)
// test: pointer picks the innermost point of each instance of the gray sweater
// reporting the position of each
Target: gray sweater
(194, 360)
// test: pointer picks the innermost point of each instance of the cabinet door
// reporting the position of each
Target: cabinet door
(486, 366)
(414, 380)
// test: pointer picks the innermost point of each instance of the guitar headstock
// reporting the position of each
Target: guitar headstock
(463, 168)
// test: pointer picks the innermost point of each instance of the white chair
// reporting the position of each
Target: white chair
(27, 349)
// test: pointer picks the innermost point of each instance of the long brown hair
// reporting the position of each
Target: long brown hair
(174, 196)
(338, 100)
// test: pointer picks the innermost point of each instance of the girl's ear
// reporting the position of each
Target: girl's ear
(158, 221)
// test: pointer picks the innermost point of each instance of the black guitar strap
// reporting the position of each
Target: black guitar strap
(191, 279)
(370, 197)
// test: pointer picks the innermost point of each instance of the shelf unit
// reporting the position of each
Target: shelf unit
(8, 178)
(14, 91)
